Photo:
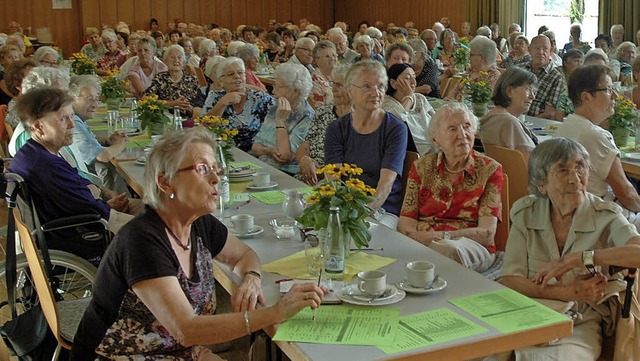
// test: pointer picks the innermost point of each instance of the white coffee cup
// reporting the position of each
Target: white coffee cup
(420, 273)
(372, 283)
(261, 179)
(242, 223)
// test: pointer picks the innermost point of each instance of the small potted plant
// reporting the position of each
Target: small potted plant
(113, 90)
(460, 59)
(341, 188)
(621, 122)
(220, 128)
(81, 64)
(479, 92)
(151, 112)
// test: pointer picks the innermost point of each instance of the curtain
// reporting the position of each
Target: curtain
(623, 12)
(511, 12)
(481, 12)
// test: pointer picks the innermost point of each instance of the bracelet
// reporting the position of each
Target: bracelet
(246, 322)
(253, 273)
(407, 97)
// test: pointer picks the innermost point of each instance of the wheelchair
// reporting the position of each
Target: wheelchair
(73, 272)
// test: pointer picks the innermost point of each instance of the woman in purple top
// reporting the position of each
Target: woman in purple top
(371, 138)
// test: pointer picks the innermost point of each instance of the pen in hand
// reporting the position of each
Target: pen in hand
(314, 310)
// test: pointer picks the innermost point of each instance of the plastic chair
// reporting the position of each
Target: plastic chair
(513, 164)
(202, 80)
(409, 158)
(64, 316)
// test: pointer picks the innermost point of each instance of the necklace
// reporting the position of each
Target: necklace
(182, 245)
(452, 171)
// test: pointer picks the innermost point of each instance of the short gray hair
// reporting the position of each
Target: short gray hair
(247, 51)
(149, 42)
(79, 82)
(341, 70)
(42, 76)
(398, 46)
(624, 46)
(206, 46)
(418, 46)
(363, 40)
(485, 47)
(233, 47)
(44, 51)
(296, 76)
(321, 45)
(302, 41)
(212, 65)
(109, 34)
(174, 47)
(373, 32)
(485, 31)
(447, 111)
(224, 63)
(165, 158)
(548, 153)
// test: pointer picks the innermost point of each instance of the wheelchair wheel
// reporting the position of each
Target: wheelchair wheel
(75, 278)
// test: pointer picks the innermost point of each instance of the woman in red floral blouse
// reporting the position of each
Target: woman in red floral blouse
(452, 201)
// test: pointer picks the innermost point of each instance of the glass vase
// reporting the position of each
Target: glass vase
(113, 103)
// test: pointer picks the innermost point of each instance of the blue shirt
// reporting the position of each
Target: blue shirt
(85, 142)
(383, 148)
(297, 127)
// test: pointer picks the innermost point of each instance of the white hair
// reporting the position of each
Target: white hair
(296, 77)
(233, 47)
(45, 76)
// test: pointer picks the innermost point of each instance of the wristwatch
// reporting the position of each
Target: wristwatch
(587, 258)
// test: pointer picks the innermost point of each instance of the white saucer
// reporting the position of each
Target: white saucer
(633, 155)
(254, 232)
(389, 292)
(141, 160)
(347, 293)
(260, 188)
(235, 173)
(438, 286)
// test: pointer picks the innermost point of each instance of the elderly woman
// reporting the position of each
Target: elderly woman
(8, 55)
(398, 53)
(310, 153)
(592, 93)
(371, 138)
(12, 85)
(625, 54)
(325, 58)
(207, 49)
(452, 201)
(46, 56)
(482, 64)
(427, 74)
(245, 108)
(364, 46)
(520, 53)
(447, 47)
(288, 121)
(94, 49)
(572, 59)
(576, 34)
(562, 223)
(250, 55)
(163, 307)
(113, 57)
(512, 97)
(213, 85)
(56, 187)
(143, 71)
(187, 46)
(175, 86)
(409, 106)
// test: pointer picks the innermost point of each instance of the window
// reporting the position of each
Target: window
(555, 15)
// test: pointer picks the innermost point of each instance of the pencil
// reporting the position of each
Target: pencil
(314, 310)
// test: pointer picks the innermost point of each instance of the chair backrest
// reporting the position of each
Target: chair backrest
(513, 164)
(40, 279)
(202, 80)
(502, 230)
(6, 131)
(409, 158)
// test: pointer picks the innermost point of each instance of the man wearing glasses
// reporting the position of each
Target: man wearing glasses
(303, 53)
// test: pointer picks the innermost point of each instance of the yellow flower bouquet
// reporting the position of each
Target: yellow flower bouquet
(112, 86)
(478, 89)
(81, 64)
(151, 112)
(624, 113)
(220, 128)
(341, 188)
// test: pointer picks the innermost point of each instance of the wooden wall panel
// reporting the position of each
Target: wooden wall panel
(192, 13)
(284, 10)
(238, 14)
(174, 9)
(126, 11)
(269, 10)
(108, 12)
(142, 15)
(223, 13)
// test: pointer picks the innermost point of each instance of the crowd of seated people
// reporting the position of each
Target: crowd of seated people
(363, 97)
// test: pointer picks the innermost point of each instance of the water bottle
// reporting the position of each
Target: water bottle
(224, 194)
(134, 115)
(177, 119)
(334, 246)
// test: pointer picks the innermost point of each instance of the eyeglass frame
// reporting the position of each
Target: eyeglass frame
(579, 173)
(608, 91)
(209, 169)
(367, 88)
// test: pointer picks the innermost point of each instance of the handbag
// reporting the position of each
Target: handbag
(27, 335)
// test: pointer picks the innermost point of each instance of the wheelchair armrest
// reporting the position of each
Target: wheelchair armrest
(73, 221)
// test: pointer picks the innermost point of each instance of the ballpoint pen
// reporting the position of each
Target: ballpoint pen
(314, 310)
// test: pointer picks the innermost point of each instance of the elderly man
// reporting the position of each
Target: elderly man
(303, 53)
(431, 39)
(551, 82)
(438, 28)
(345, 55)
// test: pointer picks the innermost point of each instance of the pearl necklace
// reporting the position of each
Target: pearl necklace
(452, 171)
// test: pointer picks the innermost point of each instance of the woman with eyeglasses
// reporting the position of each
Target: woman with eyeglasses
(325, 59)
(591, 91)
(154, 294)
(371, 138)
(512, 96)
(245, 108)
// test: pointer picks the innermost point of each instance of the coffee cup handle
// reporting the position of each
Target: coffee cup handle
(360, 286)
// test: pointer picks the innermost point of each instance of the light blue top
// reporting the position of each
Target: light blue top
(85, 145)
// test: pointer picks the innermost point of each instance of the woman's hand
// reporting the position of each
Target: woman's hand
(232, 98)
(119, 202)
(425, 237)
(588, 288)
(308, 170)
(300, 296)
(283, 109)
(403, 87)
(248, 294)
(557, 268)
(117, 137)
(181, 103)
(275, 154)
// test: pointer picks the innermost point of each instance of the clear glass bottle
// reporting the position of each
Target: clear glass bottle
(133, 116)
(224, 194)
(177, 119)
(334, 246)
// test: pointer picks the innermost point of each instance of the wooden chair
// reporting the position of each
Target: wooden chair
(502, 230)
(202, 80)
(409, 158)
(63, 317)
(513, 164)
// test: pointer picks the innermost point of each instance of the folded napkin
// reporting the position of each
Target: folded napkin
(295, 266)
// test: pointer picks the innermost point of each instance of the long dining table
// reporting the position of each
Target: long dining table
(460, 282)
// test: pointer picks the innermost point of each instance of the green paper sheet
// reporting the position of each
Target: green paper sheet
(245, 164)
(98, 127)
(342, 325)
(507, 310)
(306, 191)
(239, 197)
(430, 328)
(269, 197)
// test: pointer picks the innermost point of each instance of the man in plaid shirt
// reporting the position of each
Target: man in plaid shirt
(551, 83)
